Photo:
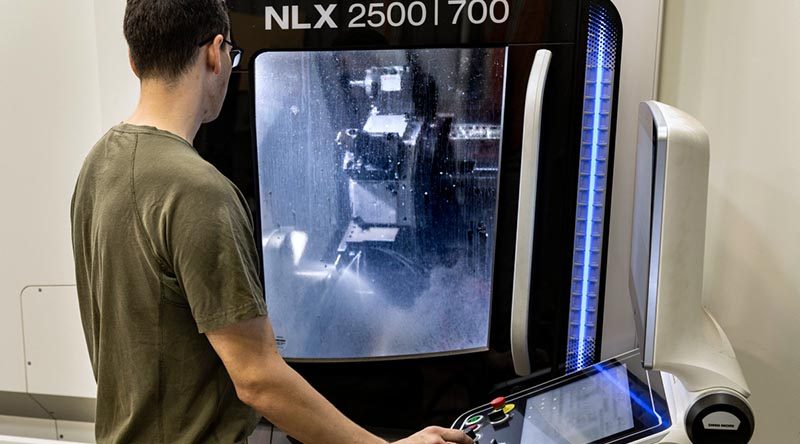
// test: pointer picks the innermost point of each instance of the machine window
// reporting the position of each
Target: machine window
(378, 175)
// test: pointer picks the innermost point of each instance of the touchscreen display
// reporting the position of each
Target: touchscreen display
(580, 412)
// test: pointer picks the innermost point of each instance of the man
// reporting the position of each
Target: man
(166, 265)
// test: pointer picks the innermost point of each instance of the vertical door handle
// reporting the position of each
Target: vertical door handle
(523, 257)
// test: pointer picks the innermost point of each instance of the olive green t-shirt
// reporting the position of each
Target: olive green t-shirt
(164, 252)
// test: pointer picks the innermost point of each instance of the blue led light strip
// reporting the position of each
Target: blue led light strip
(589, 225)
(587, 247)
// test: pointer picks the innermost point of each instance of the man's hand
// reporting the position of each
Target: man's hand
(437, 435)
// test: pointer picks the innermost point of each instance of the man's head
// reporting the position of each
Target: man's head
(173, 41)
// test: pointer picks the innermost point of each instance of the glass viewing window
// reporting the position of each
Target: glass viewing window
(378, 175)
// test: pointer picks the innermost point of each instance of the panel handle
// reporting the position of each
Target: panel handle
(523, 257)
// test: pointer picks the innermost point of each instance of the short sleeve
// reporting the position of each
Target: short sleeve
(213, 253)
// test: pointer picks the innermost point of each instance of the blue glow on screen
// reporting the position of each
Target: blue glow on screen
(646, 405)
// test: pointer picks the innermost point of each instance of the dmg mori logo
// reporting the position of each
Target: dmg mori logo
(288, 17)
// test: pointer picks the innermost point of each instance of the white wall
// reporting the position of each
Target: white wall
(65, 80)
(49, 119)
(735, 65)
(119, 88)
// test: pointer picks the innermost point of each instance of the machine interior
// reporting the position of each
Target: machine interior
(378, 174)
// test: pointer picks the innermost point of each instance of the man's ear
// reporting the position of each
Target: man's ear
(213, 52)
(133, 65)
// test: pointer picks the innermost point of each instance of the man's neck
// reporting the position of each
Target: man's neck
(176, 109)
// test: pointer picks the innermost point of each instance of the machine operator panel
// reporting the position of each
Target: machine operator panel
(614, 401)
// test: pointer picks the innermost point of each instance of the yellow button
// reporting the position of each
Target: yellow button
(508, 408)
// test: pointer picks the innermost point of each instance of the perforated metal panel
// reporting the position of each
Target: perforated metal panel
(601, 56)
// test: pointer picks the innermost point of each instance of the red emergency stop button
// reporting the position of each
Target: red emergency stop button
(498, 403)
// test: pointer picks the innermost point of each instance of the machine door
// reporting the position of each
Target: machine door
(378, 174)
(379, 177)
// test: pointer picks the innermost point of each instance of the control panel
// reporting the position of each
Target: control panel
(614, 401)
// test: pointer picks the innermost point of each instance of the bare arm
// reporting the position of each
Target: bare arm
(264, 381)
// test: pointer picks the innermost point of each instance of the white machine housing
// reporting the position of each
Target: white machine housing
(678, 335)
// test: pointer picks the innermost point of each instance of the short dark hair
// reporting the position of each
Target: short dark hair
(164, 35)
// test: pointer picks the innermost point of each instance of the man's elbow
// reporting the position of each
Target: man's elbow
(253, 400)
(252, 391)
(258, 388)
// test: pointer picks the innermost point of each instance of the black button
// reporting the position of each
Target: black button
(497, 415)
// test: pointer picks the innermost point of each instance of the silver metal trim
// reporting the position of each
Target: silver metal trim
(523, 257)
(653, 113)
